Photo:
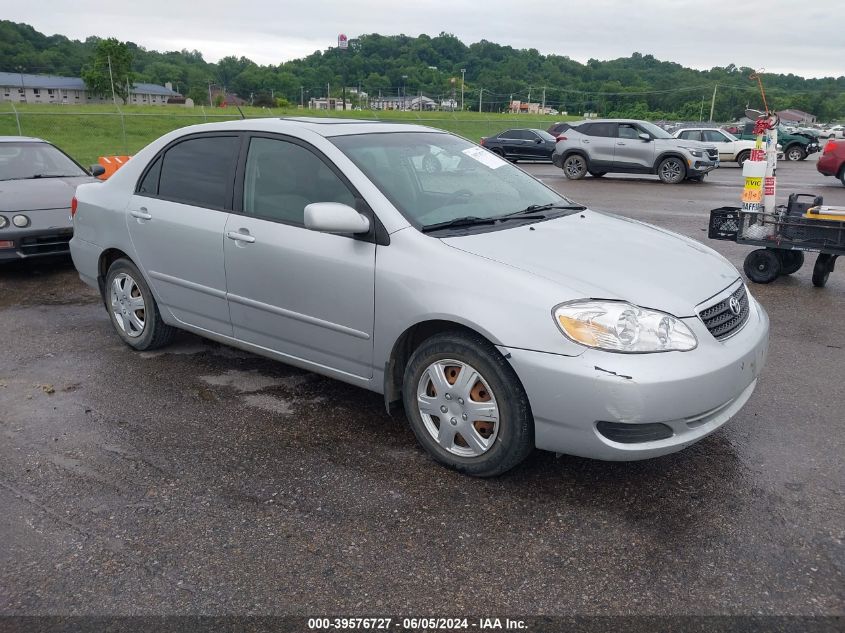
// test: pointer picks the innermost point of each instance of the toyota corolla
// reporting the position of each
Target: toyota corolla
(500, 315)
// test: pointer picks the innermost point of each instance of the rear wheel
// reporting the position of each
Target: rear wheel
(671, 170)
(575, 167)
(742, 157)
(790, 261)
(794, 152)
(842, 175)
(132, 308)
(466, 405)
(821, 270)
(762, 266)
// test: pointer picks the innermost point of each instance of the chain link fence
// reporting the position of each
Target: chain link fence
(88, 132)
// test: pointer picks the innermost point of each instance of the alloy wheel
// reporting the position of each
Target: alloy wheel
(127, 305)
(458, 408)
(671, 171)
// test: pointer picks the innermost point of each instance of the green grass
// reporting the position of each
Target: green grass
(89, 131)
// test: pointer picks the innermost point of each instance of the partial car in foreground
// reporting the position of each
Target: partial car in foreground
(502, 315)
(521, 144)
(601, 146)
(37, 183)
(832, 160)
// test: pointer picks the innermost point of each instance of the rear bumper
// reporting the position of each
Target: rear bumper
(692, 393)
(829, 165)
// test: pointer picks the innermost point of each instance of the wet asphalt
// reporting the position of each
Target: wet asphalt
(201, 479)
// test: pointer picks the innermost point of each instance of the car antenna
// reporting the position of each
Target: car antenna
(243, 116)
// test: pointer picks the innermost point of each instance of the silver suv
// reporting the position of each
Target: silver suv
(598, 147)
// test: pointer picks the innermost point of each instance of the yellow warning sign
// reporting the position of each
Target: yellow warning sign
(753, 183)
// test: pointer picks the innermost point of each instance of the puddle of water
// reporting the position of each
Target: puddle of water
(274, 404)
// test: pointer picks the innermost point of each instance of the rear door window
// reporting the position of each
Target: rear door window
(690, 135)
(200, 171)
(598, 129)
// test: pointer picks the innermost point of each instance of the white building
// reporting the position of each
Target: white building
(23, 88)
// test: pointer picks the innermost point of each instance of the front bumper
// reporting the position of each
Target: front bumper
(693, 393)
(48, 233)
(699, 166)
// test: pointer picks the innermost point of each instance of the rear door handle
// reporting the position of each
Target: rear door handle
(621, 143)
(240, 237)
(141, 214)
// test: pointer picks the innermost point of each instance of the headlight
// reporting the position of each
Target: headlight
(3, 222)
(616, 326)
(20, 221)
(695, 152)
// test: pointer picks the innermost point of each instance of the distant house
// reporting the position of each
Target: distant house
(796, 116)
(332, 103)
(23, 88)
(228, 98)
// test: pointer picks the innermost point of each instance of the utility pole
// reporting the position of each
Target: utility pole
(713, 102)
(23, 88)
(463, 75)
(209, 95)
(302, 97)
(701, 112)
(480, 94)
(544, 100)
(111, 81)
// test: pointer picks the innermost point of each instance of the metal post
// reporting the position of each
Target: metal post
(23, 88)
(302, 97)
(111, 81)
(770, 182)
(543, 109)
(480, 95)
(463, 75)
(17, 118)
(713, 102)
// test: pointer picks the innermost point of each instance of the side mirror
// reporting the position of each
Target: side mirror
(97, 170)
(644, 136)
(333, 217)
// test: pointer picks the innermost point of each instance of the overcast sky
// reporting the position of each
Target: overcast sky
(806, 38)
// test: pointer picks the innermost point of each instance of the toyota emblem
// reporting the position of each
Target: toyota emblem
(733, 304)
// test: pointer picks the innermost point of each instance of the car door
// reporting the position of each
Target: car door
(176, 219)
(599, 142)
(307, 295)
(631, 152)
(514, 143)
(538, 147)
(727, 151)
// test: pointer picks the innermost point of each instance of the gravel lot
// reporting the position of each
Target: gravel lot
(201, 479)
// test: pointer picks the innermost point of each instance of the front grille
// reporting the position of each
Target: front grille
(44, 244)
(721, 320)
(712, 153)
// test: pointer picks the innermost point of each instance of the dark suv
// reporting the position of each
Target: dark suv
(598, 147)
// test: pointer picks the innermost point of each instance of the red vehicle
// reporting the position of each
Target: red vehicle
(832, 160)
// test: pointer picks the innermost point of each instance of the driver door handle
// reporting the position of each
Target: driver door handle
(240, 237)
(141, 214)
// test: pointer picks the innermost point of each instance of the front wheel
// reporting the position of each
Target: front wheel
(794, 152)
(671, 170)
(762, 266)
(575, 167)
(821, 270)
(742, 157)
(466, 405)
(132, 308)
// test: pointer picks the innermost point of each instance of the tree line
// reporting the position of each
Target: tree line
(486, 74)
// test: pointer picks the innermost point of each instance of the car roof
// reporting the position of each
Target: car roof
(324, 126)
(21, 139)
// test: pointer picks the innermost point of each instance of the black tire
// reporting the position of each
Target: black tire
(671, 170)
(597, 174)
(762, 266)
(697, 178)
(842, 175)
(575, 167)
(790, 261)
(515, 437)
(794, 152)
(742, 157)
(155, 333)
(821, 270)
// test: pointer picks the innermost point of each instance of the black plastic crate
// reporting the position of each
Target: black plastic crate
(725, 223)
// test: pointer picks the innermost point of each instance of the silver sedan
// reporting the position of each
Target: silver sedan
(500, 315)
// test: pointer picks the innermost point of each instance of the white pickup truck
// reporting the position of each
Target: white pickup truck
(731, 149)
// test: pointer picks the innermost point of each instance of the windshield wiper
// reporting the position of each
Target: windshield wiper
(533, 208)
(469, 220)
(40, 176)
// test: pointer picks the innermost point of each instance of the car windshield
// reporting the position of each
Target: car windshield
(434, 178)
(23, 161)
(655, 131)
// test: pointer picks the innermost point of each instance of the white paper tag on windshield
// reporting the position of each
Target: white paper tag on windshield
(488, 159)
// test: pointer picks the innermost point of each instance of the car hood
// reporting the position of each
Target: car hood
(601, 256)
(39, 193)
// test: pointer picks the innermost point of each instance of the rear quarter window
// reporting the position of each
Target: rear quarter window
(200, 171)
